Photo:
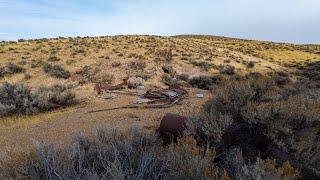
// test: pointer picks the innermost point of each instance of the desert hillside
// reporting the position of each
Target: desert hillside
(52, 89)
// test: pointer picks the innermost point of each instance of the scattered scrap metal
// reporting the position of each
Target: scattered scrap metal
(155, 98)
(103, 87)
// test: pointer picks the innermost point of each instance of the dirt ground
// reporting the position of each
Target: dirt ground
(60, 126)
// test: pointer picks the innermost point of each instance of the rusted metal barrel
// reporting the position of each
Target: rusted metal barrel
(172, 127)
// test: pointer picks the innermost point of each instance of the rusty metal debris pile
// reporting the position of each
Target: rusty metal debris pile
(155, 98)
(160, 98)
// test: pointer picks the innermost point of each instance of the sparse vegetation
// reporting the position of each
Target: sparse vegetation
(19, 99)
(56, 71)
(12, 68)
(183, 77)
(262, 121)
(111, 154)
(2, 72)
(165, 54)
(136, 154)
(227, 69)
(203, 64)
(205, 82)
(249, 64)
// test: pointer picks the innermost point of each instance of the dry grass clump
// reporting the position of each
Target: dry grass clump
(269, 169)
(53, 59)
(165, 54)
(56, 71)
(19, 99)
(94, 74)
(138, 65)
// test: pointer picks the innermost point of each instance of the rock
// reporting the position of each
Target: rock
(134, 116)
(134, 82)
(140, 87)
(199, 96)
(109, 96)
(34, 126)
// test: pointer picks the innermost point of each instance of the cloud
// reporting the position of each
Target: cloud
(287, 20)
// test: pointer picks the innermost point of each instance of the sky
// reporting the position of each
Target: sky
(295, 21)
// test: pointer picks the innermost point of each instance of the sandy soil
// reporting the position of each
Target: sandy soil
(58, 127)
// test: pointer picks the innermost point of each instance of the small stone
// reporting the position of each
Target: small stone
(134, 116)
(109, 96)
(140, 87)
(134, 82)
(34, 126)
(199, 96)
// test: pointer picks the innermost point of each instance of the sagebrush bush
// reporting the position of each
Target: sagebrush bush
(183, 77)
(205, 82)
(56, 71)
(111, 154)
(202, 64)
(191, 162)
(47, 98)
(12, 68)
(15, 99)
(268, 120)
(210, 125)
(2, 72)
(227, 69)
(249, 64)
(18, 99)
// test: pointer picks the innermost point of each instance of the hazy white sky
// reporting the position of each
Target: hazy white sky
(295, 21)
